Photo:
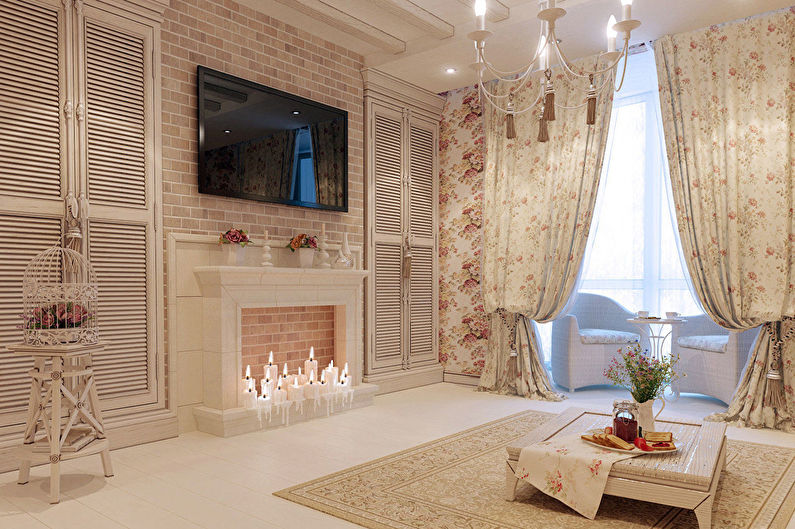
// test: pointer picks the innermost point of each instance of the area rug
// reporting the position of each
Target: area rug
(457, 482)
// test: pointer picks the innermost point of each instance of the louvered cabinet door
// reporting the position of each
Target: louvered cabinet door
(32, 169)
(119, 181)
(386, 297)
(423, 286)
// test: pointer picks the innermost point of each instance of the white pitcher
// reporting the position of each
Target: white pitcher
(646, 416)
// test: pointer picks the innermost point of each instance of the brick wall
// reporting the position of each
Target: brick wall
(288, 332)
(223, 35)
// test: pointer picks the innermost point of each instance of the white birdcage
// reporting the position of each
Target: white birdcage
(59, 293)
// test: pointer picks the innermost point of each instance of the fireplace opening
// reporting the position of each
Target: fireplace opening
(289, 332)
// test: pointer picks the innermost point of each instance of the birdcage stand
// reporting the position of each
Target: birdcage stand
(64, 416)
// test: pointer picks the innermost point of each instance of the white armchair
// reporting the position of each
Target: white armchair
(712, 357)
(585, 341)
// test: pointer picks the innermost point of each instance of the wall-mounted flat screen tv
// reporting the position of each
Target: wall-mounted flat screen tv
(260, 143)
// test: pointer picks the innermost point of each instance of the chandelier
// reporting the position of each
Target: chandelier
(547, 50)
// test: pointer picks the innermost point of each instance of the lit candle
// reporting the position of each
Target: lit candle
(626, 9)
(295, 391)
(284, 381)
(271, 370)
(611, 34)
(265, 401)
(333, 373)
(480, 14)
(311, 364)
(312, 388)
(324, 387)
(345, 369)
(267, 385)
(302, 378)
(246, 379)
(280, 395)
(250, 396)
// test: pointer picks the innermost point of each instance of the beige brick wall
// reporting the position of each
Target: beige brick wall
(223, 35)
(235, 39)
(289, 332)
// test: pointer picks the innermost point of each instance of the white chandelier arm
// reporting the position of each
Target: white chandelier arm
(527, 71)
(624, 71)
(489, 98)
(565, 61)
(501, 96)
(504, 74)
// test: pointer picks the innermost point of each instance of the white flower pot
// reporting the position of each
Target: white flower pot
(233, 254)
(646, 415)
(306, 257)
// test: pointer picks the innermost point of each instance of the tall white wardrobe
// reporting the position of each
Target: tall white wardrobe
(80, 151)
(401, 175)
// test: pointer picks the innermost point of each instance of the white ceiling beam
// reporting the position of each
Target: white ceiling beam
(495, 10)
(418, 17)
(332, 16)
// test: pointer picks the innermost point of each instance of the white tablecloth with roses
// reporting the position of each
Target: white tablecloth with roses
(570, 470)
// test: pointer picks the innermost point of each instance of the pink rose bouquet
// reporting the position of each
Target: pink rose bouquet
(234, 236)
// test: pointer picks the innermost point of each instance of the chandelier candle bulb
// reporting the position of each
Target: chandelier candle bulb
(480, 14)
(626, 9)
(611, 34)
(310, 366)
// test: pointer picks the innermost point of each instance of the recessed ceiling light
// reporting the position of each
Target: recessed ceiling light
(450, 70)
(227, 131)
(296, 112)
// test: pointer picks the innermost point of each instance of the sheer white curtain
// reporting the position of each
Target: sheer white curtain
(633, 254)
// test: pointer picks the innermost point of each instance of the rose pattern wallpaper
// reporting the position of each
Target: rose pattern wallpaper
(463, 324)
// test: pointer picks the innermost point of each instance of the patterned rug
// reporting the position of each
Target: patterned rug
(457, 482)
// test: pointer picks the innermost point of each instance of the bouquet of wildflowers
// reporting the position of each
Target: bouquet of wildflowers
(645, 377)
(302, 240)
(234, 236)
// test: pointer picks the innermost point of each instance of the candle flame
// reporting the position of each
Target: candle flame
(270, 358)
(331, 364)
(248, 372)
(322, 377)
(299, 371)
(312, 376)
(279, 386)
(345, 369)
(284, 373)
(311, 353)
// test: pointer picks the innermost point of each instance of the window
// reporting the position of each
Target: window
(633, 256)
(303, 168)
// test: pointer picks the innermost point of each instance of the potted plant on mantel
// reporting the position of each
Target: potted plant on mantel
(305, 245)
(646, 379)
(234, 240)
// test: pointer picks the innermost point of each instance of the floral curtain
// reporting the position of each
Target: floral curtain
(328, 155)
(538, 200)
(268, 165)
(728, 104)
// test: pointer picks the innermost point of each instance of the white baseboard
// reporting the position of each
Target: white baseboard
(410, 378)
(459, 378)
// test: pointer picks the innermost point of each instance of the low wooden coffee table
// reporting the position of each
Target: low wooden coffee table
(686, 478)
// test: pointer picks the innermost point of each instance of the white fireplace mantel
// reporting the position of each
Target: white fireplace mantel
(226, 290)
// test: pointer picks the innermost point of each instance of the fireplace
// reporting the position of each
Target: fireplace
(249, 311)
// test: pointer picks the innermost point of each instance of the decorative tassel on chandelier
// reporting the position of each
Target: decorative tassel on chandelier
(510, 125)
(539, 68)
(543, 131)
(549, 97)
(590, 115)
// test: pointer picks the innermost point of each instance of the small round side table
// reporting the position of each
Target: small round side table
(654, 329)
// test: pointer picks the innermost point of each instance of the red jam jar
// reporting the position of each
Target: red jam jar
(625, 426)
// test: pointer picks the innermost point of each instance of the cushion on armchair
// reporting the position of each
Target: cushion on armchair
(607, 336)
(716, 343)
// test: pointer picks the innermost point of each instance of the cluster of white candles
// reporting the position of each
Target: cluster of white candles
(279, 389)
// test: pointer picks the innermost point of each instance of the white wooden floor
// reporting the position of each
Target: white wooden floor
(198, 480)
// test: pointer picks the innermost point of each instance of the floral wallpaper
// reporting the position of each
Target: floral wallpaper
(463, 324)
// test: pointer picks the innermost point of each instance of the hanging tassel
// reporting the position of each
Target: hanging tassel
(774, 390)
(590, 117)
(543, 132)
(549, 98)
(510, 125)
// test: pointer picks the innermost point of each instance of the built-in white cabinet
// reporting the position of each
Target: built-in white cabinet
(401, 133)
(80, 162)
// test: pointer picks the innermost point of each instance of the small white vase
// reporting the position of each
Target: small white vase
(234, 255)
(646, 415)
(306, 257)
